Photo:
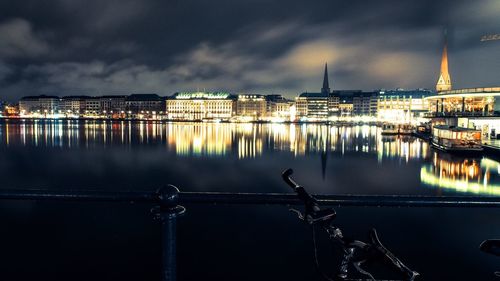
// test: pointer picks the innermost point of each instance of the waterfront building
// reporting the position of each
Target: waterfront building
(345, 103)
(144, 106)
(113, 106)
(345, 109)
(8, 110)
(92, 106)
(364, 103)
(312, 106)
(315, 106)
(73, 105)
(279, 108)
(403, 106)
(251, 106)
(42, 105)
(333, 104)
(200, 106)
(477, 108)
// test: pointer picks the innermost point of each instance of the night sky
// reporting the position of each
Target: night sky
(99, 47)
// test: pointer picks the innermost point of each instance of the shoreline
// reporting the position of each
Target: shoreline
(345, 123)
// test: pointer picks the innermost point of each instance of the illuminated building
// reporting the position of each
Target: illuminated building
(253, 106)
(463, 102)
(113, 105)
(8, 110)
(73, 105)
(337, 103)
(312, 106)
(404, 106)
(42, 105)
(355, 103)
(144, 105)
(315, 106)
(346, 105)
(477, 108)
(364, 104)
(333, 105)
(345, 108)
(279, 107)
(466, 102)
(200, 106)
(92, 106)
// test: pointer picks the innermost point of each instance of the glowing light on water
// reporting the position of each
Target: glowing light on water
(461, 174)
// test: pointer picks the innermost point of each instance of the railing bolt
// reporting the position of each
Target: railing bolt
(167, 212)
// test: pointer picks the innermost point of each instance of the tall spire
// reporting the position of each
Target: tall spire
(326, 86)
(444, 81)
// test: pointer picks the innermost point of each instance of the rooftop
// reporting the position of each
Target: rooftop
(201, 95)
(469, 92)
(143, 97)
(39, 97)
(313, 95)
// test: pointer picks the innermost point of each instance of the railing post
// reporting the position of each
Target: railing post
(167, 212)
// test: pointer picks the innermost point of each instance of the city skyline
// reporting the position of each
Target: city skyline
(110, 49)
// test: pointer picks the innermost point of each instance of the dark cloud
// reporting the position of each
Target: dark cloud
(73, 47)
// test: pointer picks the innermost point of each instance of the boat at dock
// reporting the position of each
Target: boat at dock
(456, 139)
(397, 129)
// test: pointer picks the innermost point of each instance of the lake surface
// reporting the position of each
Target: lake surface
(232, 157)
(87, 241)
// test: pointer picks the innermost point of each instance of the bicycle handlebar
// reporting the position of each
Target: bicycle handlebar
(309, 201)
(286, 175)
(312, 211)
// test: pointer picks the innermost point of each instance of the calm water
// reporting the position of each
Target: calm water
(232, 157)
(82, 241)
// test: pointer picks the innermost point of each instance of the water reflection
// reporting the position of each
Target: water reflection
(344, 152)
(467, 175)
(213, 139)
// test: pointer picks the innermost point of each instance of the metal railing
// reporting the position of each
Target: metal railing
(167, 208)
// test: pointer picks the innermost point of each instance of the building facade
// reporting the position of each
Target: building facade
(92, 106)
(253, 106)
(73, 105)
(279, 107)
(200, 106)
(144, 106)
(365, 104)
(405, 106)
(43, 105)
(113, 105)
(312, 106)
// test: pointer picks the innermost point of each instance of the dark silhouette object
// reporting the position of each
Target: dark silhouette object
(167, 212)
(356, 253)
(491, 246)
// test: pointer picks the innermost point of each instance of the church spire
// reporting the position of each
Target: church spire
(444, 81)
(326, 86)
